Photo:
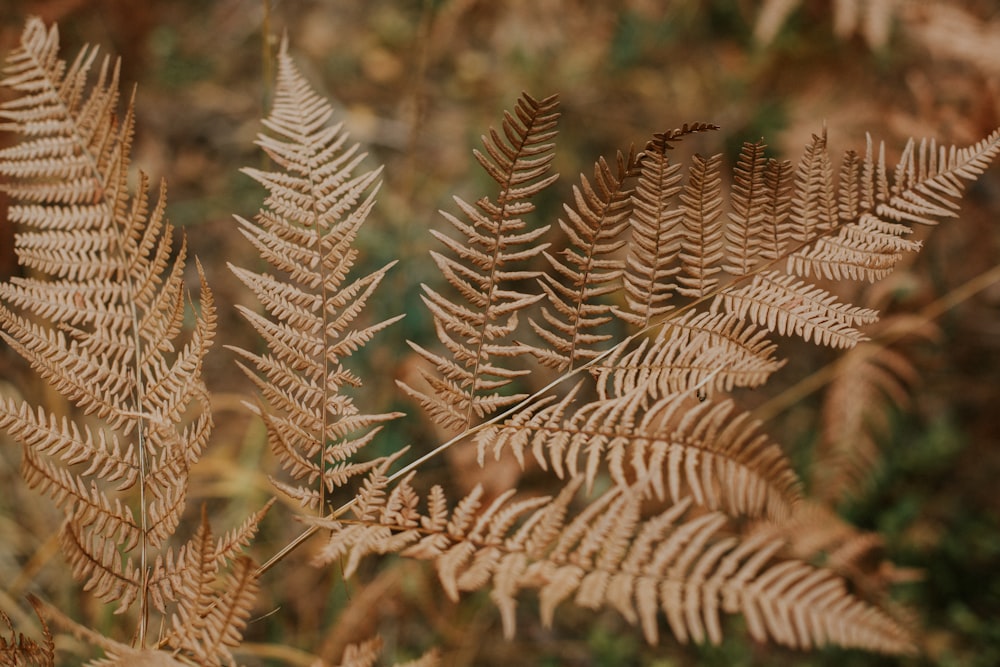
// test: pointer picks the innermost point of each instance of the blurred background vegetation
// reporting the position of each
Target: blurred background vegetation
(417, 82)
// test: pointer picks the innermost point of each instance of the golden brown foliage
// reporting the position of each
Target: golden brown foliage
(100, 319)
(669, 500)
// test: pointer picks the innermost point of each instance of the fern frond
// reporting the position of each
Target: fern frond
(656, 236)
(101, 319)
(779, 227)
(194, 588)
(927, 184)
(814, 533)
(702, 245)
(748, 220)
(366, 654)
(117, 654)
(112, 302)
(929, 179)
(789, 306)
(483, 268)
(871, 380)
(613, 553)
(698, 351)
(227, 618)
(588, 270)
(868, 249)
(814, 207)
(22, 651)
(709, 451)
(314, 209)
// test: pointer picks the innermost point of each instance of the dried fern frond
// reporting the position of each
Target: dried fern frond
(853, 229)
(589, 270)
(20, 650)
(748, 220)
(613, 553)
(656, 230)
(703, 242)
(697, 351)
(315, 206)
(814, 533)
(477, 330)
(101, 320)
(116, 654)
(655, 240)
(367, 653)
(682, 447)
(789, 306)
(871, 381)
(814, 206)
(927, 184)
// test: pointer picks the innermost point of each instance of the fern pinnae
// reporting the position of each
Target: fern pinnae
(101, 321)
(589, 269)
(465, 387)
(778, 228)
(814, 208)
(655, 237)
(749, 203)
(695, 350)
(786, 305)
(315, 206)
(702, 244)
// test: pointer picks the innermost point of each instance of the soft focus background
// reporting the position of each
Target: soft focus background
(417, 83)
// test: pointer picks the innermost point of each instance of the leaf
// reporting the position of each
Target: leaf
(316, 204)
(483, 269)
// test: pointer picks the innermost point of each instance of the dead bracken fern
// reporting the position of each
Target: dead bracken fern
(313, 211)
(661, 429)
(17, 649)
(477, 333)
(664, 290)
(100, 319)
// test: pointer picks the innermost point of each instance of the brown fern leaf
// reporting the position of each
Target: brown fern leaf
(614, 553)
(202, 568)
(111, 311)
(814, 207)
(477, 336)
(589, 270)
(20, 650)
(682, 447)
(698, 351)
(116, 654)
(871, 380)
(778, 225)
(814, 533)
(748, 220)
(702, 244)
(366, 654)
(100, 319)
(227, 618)
(789, 306)
(868, 249)
(927, 185)
(377, 515)
(650, 263)
(314, 209)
